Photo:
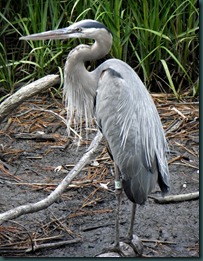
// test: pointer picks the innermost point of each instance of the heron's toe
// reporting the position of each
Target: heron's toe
(127, 248)
(114, 251)
(135, 244)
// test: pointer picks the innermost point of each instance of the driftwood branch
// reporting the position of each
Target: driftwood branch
(176, 198)
(7, 106)
(53, 245)
(44, 203)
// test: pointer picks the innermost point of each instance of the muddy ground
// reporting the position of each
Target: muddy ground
(85, 212)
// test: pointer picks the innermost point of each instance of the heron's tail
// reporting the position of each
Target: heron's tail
(163, 176)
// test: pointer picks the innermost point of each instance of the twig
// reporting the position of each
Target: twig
(175, 159)
(61, 118)
(92, 212)
(176, 198)
(157, 241)
(52, 245)
(183, 163)
(174, 126)
(182, 146)
(189, 165)
(37, 136)
(7, 173)
(44, 203)
(180, 113)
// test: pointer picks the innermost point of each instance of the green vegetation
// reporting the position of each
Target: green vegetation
(159, 39)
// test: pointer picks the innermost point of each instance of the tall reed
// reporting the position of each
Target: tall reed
(159, 39)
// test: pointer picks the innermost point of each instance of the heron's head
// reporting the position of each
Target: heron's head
(90, 29)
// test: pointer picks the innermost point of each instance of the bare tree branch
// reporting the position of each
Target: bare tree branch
(176, 198)
(25, 92)
(44, 203)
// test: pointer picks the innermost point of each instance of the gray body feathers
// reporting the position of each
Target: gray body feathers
(128, 118)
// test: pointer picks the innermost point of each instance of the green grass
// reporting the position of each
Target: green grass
(159, 39)
(166, 34)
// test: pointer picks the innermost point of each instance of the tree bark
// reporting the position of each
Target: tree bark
(7, 106)
(176, 198)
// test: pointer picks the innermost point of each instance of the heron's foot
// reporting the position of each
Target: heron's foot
(114, 251)
(126, 248)
(135, 243)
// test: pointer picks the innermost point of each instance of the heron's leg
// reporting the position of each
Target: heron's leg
(118, 191)
(131, 239)
(132, 218)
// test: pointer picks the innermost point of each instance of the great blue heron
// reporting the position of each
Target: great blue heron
(124, 111)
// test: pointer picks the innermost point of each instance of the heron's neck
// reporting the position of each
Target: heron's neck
(76, 62)
(80, 85)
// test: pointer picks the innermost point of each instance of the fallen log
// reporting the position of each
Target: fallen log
(176, 198)
(13, 101)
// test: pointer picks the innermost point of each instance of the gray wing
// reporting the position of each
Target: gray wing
(131, 125)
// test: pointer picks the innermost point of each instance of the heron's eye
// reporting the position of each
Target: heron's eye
(79, 29)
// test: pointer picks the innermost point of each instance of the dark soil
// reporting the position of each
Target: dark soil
(86, 211)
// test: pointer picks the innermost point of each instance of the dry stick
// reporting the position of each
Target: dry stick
(180, 113)
(52, 245)
(176, 198)
(175, 159)
(182, 146)
(36, 136)
(7, 106)
(44, 203)
(157, 241)
(55, 114)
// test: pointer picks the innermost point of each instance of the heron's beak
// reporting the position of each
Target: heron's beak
(64, 33)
